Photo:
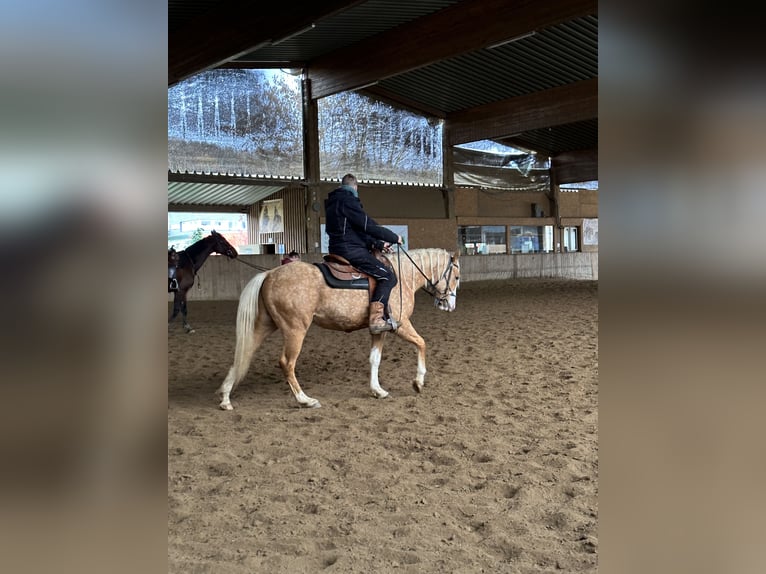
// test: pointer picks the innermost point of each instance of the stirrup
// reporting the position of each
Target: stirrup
(173, 284)
(378, 330)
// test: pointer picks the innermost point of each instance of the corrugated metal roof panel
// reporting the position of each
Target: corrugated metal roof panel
(195, 193)
(528, 65)
(557, 139)
(346, 28)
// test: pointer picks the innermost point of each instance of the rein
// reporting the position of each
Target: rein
(430, 285)
(253, 265)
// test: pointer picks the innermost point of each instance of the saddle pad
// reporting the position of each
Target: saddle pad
(332, 281)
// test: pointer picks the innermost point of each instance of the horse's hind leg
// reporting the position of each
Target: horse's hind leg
(175, 311)
(243, 356)
(376, 352)
(407, 332)
(292, 347)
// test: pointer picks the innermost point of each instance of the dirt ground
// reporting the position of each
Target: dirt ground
(492, 468)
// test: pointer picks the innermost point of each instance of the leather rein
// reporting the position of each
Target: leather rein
(430, 287)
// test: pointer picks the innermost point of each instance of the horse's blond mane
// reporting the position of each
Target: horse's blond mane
(432, 260)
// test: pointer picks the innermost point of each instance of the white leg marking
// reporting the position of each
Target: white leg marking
(306, 401)
(377, 390)
(225, 391)
(420, 377)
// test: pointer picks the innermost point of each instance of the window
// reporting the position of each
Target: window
(482, 239)
(570, 239)
(490, 239)
(531, 239)
(185, 228)
(487, 164)
(378, 142)
(236, 121)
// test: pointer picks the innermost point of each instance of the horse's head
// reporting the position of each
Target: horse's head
(222, 246)
(446, 287)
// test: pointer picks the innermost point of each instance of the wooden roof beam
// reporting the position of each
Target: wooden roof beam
(461, 28)
(557, 106)
(575, 166)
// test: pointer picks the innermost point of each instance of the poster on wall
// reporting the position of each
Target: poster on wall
(400, 230)
(590, 231)
(270, 217)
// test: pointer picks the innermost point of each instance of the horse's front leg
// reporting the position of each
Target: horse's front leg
(376, 352)
(407, 332)
(187, 327)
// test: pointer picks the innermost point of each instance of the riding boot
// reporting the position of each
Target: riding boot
(377, 323)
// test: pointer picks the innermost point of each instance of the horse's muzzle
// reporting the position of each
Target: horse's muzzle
(447, 304)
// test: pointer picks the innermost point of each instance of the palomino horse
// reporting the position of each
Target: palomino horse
(187, 263)
(288, 298)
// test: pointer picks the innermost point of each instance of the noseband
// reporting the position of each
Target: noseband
(441, 296)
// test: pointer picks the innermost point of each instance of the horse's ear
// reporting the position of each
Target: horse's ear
(214, 232)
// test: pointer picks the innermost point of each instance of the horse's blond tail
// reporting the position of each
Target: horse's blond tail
(247, 314)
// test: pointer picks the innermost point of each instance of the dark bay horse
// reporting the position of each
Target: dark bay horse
(188, 263)
(290, 297)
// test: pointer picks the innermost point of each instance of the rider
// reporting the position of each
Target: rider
(353, 234)
(292, 256)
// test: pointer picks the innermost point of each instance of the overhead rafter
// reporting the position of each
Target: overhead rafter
(201, 45)
(557, 106)
(575, 166)
(447, 33)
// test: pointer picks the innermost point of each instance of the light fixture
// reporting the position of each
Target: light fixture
(514, 39)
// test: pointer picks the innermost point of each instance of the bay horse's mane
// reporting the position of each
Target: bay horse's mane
(198, 247)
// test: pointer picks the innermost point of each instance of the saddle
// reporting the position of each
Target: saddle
(340, 274)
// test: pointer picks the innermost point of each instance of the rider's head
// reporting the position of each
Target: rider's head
(350, 180)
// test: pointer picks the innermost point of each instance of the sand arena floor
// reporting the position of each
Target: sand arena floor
(492, 468)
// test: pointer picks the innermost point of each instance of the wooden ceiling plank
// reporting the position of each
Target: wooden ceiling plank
(461, 28)
(557, 106)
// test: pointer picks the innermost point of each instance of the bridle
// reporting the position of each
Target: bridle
(441, 297)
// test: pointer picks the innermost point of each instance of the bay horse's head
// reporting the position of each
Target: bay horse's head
(445, 289)
(220, 245)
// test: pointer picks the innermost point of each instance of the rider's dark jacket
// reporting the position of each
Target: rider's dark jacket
(349, 228)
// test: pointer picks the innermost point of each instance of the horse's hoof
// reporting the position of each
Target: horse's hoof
(190, 331)
(315, 405)
(381, 395)
(417, 387)
(226, 407)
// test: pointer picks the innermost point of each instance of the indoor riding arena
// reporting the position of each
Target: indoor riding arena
(471, 127)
